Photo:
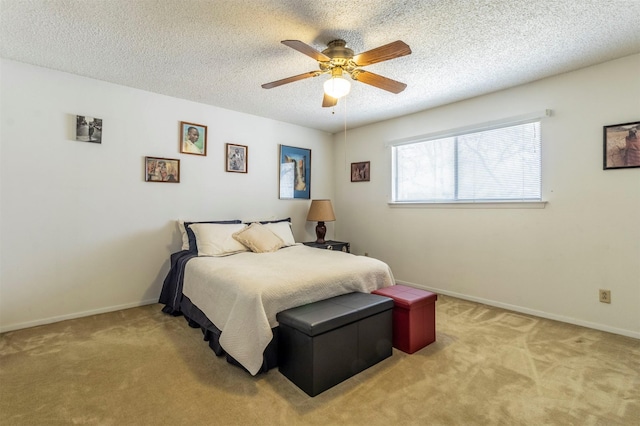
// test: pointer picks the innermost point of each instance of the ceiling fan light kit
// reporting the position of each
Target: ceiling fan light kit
(337, 86)
(337, 59)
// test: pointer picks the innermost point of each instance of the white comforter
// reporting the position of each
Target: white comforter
(242, 293)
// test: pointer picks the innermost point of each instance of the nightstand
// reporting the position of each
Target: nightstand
(330, 245)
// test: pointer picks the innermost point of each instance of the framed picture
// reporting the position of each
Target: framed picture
(622, 145)
(295, 172)
(361, 172)
(159, 169)
(236, 158)
(193, 138)
(88, 129)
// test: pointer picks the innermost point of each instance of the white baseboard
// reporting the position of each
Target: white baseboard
(515, 308)
(523, 310)
(4, 329)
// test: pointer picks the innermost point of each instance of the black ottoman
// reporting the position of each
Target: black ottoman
(324, 343)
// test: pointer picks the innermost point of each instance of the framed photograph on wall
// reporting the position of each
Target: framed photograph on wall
(88, 129)
(159, 169)
(236, 158)
(193, 138)
(295, 172)
(361, 172)
(621, 145)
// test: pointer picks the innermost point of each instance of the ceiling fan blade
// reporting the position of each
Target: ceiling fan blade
(306, 49)
(383, 53)
(329, 101)
(378, 81)
(291, 79)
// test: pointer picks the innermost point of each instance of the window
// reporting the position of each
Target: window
(499, 164)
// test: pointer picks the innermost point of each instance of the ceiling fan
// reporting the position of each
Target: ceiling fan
(337, 59)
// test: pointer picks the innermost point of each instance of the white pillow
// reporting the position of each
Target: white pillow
(185, 237)
(259, 238)
(216, 239)
(282, 230)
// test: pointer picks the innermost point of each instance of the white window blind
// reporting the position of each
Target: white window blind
(498, 164)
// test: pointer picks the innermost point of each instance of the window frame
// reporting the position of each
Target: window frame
(502, 123)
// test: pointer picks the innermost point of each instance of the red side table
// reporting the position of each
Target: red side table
(414, 317)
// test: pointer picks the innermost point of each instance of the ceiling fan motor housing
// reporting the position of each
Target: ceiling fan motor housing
(341, 56)
(337, 49)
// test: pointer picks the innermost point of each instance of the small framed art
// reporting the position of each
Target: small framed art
(159, 169)
(236, 158)
(193, 138)
(88, 129)
(621, 145)
(361, 172)
(295, 172)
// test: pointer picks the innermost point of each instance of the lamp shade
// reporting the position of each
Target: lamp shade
(337, 87)
(321, 211)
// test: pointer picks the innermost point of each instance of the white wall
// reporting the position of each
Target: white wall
(548, 262)
(81, 232)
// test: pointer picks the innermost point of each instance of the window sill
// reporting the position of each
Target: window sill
(478, 205)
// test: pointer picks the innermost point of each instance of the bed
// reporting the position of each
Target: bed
(234, 290)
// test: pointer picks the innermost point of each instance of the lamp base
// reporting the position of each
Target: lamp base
(321, 231)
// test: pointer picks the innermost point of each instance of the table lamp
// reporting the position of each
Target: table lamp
(321, 211)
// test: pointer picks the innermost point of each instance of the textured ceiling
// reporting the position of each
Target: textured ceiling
(220, 52)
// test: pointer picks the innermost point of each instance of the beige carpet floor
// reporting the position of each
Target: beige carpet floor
(488, 367)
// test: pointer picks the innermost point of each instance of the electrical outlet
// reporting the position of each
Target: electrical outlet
(605, 296)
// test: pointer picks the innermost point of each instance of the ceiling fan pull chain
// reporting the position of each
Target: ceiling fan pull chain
(345, 133)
